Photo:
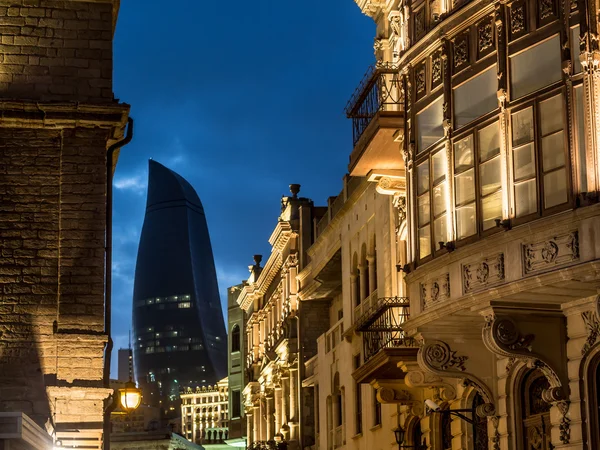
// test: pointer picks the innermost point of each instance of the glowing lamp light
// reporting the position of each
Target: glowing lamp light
(130, 396)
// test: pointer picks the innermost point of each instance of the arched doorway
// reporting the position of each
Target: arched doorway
(535, 412)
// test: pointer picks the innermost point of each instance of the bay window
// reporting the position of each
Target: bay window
(430, 124)
(467, 106)
(539, 156)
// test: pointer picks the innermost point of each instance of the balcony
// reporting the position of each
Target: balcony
(377, 112)
(384, 341)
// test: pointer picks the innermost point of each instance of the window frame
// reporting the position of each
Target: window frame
(537, 140)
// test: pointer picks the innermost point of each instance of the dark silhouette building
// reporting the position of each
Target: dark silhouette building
(179, 332)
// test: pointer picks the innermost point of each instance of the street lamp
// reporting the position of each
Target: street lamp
(399, 434)
(130, 396)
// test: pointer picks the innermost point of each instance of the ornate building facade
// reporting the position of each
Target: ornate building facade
(205, 414)
(490, 111)
(236, 369)
(281, 334)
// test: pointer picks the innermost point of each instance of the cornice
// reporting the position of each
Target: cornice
(280, 236)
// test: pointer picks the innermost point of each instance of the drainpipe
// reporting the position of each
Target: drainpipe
(108, 273)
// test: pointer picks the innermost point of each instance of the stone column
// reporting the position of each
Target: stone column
(353, 292)
(249, 427)
(270, 416)
(278, 409)
(256, 429)
(362, 272)
(285, 392)
(372, 274)
(294, 403)
(263, 421)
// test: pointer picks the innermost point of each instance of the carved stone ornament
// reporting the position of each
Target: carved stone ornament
(420, 379)
(496, 437)
(517, 18)
(420, 79)
(419, 17)
(461, 50)
(546, 8)
(399, 203)
(484, 273)
(592, 325)
(485, 31)
(550, 253)
(565, 423)
(390, 185)
(436, 68)
(435, 291)
(438, 356)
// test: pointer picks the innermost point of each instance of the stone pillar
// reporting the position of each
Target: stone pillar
(353, 291)
(262, 419)
(256, 429)
(294, 403)
(278, 409)
(270, 416)
(372, 273)
(362, 272)
(249, 426)
(285, 392)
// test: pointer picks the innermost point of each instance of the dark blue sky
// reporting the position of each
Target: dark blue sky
(241, 98)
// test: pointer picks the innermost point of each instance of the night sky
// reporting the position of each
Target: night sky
(241, 98)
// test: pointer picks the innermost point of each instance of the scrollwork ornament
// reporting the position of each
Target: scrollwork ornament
(592, 325)
(506, 332)
(439, 356)
(565, 423)
(485, 410)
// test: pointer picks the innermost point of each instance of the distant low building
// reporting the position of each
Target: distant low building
(205, 415)
(151, 441)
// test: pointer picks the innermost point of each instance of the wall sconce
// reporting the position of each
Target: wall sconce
(447, 245)
(503, 224)
(399, 434)
(130, 397)
(403, 268)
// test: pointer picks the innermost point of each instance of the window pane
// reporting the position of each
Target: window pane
(465, 221)
(463, 154)
(423, 204)
(438, 166)
(522, 127)
(424, 242)
(439, 199)
(429, 124)
(553, 154)
(489, 173)
(527, 77)
(575, 49)
(468, 107)
(524, 162)
(423, 178)
(551, 112)
(580, 144)
(465, 187)
(491, 209)
(555, 188)
(489, 141)
(525, 198)
(440, 233)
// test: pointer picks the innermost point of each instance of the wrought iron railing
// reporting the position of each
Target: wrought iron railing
(267, 445)
(381, 326)
(380, 90)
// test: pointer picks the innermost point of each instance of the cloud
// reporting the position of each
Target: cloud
(135, 183)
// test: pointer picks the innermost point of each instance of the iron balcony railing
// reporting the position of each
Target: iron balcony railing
(381, 326)
(267, 445)
(380, 90)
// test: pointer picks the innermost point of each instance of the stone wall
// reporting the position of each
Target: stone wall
(56, 50)
(57, 119)
(314, 321)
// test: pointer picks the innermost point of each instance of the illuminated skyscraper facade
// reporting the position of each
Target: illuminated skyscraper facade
(180, 337)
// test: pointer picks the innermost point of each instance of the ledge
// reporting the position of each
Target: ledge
(19, 429)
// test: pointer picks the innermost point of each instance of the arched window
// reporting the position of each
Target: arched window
(356, 273)
(235, 339)
(480, 434)
(446, 431)
(535, 412)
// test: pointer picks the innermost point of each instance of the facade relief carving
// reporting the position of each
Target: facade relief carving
(557, 251)
(485, 32)
(482, 274)
(592, 325)
(419, 379)
(461, 51)
(517, 18)
(435, 291)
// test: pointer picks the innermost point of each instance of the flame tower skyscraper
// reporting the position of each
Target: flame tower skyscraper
(179, 332)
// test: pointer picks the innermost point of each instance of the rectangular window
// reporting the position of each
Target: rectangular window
(490, 169)
(184, 305)
(439, 188)
(236, 404)
(464, 182)
(575, 50)
(430, 127)
(581, 158)
(468, 107)
(424, 210)
(527, 77)
(358, 402)
(377, 409)
(539, 149)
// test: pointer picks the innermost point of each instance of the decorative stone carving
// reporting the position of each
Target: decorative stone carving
(484, 273)
(510, 363)
(399, 203)
(419, 17)
(517, 18)
(592, 325)
(485, 38)
(546, 8)
(565, 423)
(550, 253)
(439, 356)
(435, 291)
(420, 379)
(436, 68)
(399, 23)
(420, 79)
(496, 437)
(508, 334)
(461, 50)
(485, 410)
(390, 185)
